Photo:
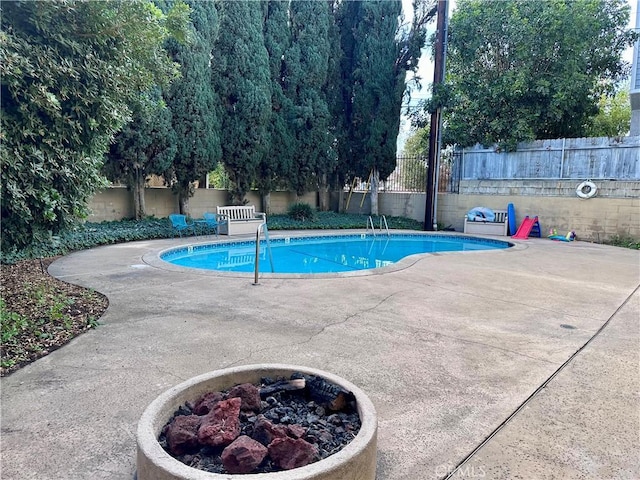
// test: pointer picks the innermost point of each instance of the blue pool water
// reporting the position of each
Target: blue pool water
(322, 254)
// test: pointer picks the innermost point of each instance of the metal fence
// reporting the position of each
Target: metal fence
(410, 175)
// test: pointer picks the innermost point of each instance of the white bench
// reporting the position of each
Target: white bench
(240, 219)
(499, 226)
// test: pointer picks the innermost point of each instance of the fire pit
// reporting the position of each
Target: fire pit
(356, 461)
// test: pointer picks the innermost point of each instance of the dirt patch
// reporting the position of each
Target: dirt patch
(41, 313)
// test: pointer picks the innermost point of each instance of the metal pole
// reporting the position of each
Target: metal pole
(434, 132)
(257, 264)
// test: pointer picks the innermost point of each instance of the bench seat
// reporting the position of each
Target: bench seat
(240, 219)
(499, 226)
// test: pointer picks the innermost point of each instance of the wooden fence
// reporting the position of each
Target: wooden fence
(601, 158)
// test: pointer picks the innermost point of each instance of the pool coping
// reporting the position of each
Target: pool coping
(153, 258)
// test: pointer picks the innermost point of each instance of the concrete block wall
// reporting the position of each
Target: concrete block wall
(204, 200)
(615, 210)
(116, 203)
(391, 204)
(279, 202)
(548, 188)
(594, 219)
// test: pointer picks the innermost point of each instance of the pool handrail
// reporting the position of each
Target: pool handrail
(262, 226)
(383, 219)
(370, 223)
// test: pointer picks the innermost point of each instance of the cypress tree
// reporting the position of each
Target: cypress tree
(377, 89)
(347, 16)
(194, 104)
(376, 57)
(242, 80)
(336, 175)
(276, 164)
(307, 62)
(145, 146)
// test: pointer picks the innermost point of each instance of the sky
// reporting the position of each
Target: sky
(425, 66)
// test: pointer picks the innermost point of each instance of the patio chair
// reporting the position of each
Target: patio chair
(211, 221)
(180, 224)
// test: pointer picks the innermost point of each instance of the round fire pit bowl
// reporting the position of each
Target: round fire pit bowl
(356, 461)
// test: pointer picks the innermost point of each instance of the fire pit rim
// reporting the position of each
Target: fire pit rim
(160, 410)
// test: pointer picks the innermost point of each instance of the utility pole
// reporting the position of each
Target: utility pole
(430, 222)
(634, 93)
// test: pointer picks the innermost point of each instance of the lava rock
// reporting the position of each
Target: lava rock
(243, 455)
(182, 434)
(221, 426)
(266, 432)
(313, 431)
(250, 395)
(290, 453)
(296, 431)
(206, 403)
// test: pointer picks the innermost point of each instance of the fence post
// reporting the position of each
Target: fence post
(562, 159)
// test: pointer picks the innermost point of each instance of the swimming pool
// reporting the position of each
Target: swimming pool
(322, 254)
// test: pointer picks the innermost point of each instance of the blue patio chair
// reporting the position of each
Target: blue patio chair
(180, 224)
(211, 222)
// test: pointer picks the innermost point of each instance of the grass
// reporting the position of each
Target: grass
(624, 241)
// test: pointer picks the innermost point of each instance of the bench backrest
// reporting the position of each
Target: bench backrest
(247, 212)
(501, 216)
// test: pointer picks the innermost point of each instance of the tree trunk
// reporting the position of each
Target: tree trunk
(183, 199)
(323, 194)
(340, 190)
(266, 203)
(139, 207)
(238, 191)
(237, 198)
(375, 180)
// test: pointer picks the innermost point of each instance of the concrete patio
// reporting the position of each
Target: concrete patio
(464, 355)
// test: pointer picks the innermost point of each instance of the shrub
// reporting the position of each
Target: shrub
(623, 241)
(301, 212)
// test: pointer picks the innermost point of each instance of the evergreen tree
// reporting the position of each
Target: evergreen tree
(335, 176)
(194, 105)
(377, 53)
(347, 16)
(377, 89)
(241, 78)
(145, 146)
(307, 62)
(276, 164)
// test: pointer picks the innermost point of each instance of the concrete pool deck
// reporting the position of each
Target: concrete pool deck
(465, 357)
